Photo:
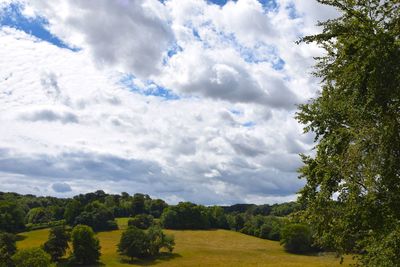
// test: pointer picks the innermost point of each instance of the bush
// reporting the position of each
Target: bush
(57, 244)
(7, 249)
(296, 238)
(85, 246)
(31, 257)
(141, 221)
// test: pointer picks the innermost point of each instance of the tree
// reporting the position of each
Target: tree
(7, 249)
(39, 215)
(31, 257)
(11, 217)
(57, 244)
(186, 215)
(85, 246)
(72, 210)
(133, 243)
(352, 194)
(296, 238)
(141, 221)
(158, 240)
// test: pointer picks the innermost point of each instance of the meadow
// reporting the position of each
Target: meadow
(201, 248)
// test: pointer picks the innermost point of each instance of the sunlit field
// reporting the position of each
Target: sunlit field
(201, 248)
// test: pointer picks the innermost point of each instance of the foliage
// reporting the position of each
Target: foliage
(133, 243)
(7, 249)
(296, 238)
(352, 193)
(185, 215)
(141, 221)
(97, 216)
(158, 240)
(72, 210)
(30, 226)
(57, 244)
(39, 215)
(11, 217)
(85, 245)
(136, 243)
(31, 257)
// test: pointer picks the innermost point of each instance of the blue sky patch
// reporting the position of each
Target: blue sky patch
(249, 124)
(151, 88)
(13, 17)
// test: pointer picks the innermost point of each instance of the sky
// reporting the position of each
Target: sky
(184, 100)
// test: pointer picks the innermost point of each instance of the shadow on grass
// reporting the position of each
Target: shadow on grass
(67, 263)
(163, 256)
(20, 237)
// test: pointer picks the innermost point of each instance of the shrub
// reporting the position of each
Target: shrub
(7, 249)
(141, 221)
(85, 246)
(57, 244)
(31, 257)
(296, 238)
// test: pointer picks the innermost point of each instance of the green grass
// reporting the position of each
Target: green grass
(201, 248)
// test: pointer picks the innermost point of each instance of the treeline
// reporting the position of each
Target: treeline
(98, 210)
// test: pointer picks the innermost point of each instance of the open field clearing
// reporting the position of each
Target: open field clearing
(202, 248)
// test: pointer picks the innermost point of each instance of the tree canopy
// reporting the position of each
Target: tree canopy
(352, 192)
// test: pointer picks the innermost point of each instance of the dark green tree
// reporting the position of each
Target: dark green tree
(352, 194)
(296, 238)
(85, 245)
(72, 210)
(11, 217)
(141, 221)
(57, 244)
(7, 249)
(134, 243)
(39, 215)
(31, 257)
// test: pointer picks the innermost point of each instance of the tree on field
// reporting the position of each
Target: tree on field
(7, 249)
(133, 243)
(85, 245)
(57, 244)
(158, 240)
(31, 257)
(352, 194)
(296, 238)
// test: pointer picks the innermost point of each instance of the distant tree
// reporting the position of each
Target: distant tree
(31, 257)
(39, 215)
(72, 210)
(296, 238)
(57, 244)
(156, 207)
(158, 240)
(97, 216)
(11, 217)
(217, 218)
(7, 249)
(186, 215)
(85, 245)
(133, 243)
(138, 204)
(141, 221)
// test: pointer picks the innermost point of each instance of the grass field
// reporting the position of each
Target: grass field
(201, 248)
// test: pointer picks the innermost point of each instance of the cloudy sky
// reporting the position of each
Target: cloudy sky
(180, 99)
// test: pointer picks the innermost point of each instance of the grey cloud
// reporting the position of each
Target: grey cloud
(50, 116)
(61, 187)
(125, 33)
(248, 145)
